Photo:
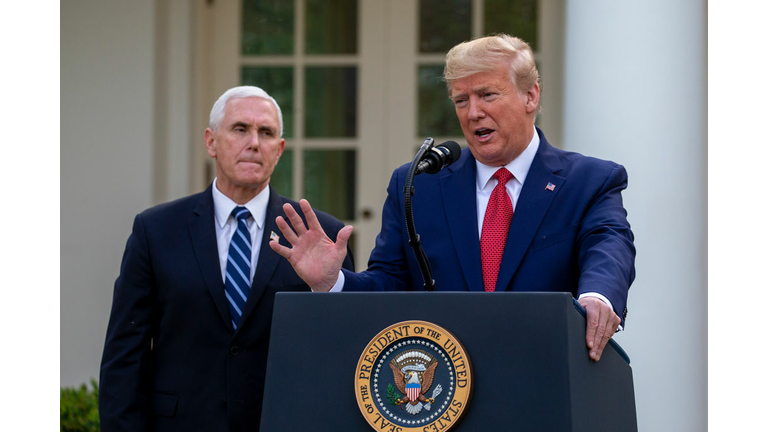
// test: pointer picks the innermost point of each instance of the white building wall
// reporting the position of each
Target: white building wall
(635, 93)
(107, 62)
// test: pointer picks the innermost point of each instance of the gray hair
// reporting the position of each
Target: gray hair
(487, 53)
(217, 112)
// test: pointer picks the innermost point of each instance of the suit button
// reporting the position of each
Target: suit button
(234, 350)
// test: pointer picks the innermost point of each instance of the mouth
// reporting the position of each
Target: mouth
(483, 134)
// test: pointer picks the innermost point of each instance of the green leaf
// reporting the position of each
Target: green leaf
(392, 394)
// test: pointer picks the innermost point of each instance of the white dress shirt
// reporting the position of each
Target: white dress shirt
(226, 225)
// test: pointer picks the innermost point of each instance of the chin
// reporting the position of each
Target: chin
(492, 159)
(248, 181)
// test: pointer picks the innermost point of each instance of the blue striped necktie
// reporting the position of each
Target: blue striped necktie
(237, 284)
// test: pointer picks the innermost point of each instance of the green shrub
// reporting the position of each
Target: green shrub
(80, 408)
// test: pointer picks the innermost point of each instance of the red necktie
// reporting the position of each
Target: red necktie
(498, 216)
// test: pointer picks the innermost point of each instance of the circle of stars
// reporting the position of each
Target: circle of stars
(415, 343)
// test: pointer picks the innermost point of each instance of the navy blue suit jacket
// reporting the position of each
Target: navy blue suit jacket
(172, 360)
(574, 238)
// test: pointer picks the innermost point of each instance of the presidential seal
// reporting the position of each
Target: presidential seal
(413, 376)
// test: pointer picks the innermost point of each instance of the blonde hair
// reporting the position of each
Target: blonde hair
(487, 53)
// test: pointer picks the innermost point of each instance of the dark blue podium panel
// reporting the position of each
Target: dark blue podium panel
(530, 362)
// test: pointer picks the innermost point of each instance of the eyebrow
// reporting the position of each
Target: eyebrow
(457, 95)
(478, 90)
(239, 124)
(268, 129)
(260, 128)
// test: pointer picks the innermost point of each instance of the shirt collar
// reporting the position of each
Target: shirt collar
(519, 167)
(223, 206)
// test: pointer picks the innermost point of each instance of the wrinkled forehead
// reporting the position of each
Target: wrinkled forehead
(252, 107)
(481, 82)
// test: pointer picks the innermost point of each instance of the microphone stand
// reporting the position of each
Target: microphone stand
(414, 239)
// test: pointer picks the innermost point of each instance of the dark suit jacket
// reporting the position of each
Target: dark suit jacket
(574, 238)
(172, 360)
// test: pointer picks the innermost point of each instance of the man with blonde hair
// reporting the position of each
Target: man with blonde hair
(186, 346)
(512, 214)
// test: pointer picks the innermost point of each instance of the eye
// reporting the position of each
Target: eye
(460, 102)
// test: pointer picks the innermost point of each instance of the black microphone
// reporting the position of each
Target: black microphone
(439, 157)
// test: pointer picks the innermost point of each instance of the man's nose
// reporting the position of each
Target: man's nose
(475, 110)
(253, 141)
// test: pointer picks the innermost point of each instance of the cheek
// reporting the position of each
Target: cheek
(224, 149)
(463, 119)
(271, 159)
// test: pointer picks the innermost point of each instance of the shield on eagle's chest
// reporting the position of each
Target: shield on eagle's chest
(413, 390)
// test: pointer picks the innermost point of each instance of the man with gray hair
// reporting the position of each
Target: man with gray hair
(186, 346)
(513, 213)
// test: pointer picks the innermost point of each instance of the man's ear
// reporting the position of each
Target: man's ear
(210, 142)
(282, 149)
(532, 99)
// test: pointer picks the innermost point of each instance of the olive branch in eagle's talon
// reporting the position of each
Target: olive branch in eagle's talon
(393, 396)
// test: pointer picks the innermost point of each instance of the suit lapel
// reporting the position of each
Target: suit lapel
(203, 233)
(460, 201)
(532, 205)
(268, 259)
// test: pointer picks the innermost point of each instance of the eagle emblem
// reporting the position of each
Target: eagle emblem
(414, 372)
(430, 385)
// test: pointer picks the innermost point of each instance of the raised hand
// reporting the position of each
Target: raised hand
(314, 256)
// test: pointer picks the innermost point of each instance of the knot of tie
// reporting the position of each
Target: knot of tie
(240, 213)
(502, 175)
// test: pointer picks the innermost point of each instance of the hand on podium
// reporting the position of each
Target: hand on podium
(314, 256)
(602, 323)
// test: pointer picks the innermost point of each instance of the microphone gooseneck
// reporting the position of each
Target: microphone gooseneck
(413, 239)
(430, 160)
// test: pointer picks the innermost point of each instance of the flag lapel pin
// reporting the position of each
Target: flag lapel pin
(550, 187)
